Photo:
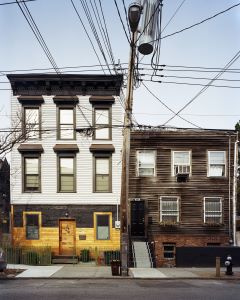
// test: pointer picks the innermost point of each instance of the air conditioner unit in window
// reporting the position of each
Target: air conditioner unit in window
(182, 169)
(117, 224)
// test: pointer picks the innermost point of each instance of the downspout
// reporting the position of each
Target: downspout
(229, 189)
(235, 188)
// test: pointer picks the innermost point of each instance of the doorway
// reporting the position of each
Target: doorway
(67, 239)
(138, 218)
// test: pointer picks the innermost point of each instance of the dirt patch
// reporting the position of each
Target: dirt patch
(10, 273)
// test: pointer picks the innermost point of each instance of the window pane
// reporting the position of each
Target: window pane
(32, 181)
(102, 183)
(217, 158)
(31, 165)
(103, 232)
(66, 183)
(181, 158)
(66, 165)
(102, 165)
(101, 116)
(216, 170)
(213, 210)
(146, 163)
(32, 227)
(66, 132)
(102, 133)
(66, 116)
(31, 115)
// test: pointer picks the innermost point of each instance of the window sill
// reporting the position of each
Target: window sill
(213, 224)
(169, 224)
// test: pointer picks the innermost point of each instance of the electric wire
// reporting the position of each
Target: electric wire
(120, 17)
(7, 3)
(235, 57)
(199, 23)
(166, 106)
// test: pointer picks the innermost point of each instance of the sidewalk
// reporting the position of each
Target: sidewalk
(83, 271)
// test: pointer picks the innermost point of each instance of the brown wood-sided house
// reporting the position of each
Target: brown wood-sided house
(181, 189)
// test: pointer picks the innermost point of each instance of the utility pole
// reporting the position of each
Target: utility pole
(149, 17)
(134, 13)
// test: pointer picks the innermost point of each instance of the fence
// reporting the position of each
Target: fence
(102, 256)
(28, 256)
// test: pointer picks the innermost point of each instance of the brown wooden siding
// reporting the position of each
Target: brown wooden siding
(193, 191)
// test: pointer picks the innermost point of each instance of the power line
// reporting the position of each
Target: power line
(174, 14)
(235, 57)
(168, 106)
(15, 2)
(190, 84)
(118, 11)
(199, 23)
(80, 19)
(27, 15)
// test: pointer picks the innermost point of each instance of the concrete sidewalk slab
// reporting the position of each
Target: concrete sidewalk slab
(146, 273)
(178, 273)
(35, 271)
(79, 271)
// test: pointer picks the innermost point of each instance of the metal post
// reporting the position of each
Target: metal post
(125, 160)
(218, 265)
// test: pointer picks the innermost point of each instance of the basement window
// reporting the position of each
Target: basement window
(32, 226)
(169, 250)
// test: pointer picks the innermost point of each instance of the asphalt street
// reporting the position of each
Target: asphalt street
(59, 289)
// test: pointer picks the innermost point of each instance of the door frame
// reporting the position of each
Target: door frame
(59, 234)
(145, 216)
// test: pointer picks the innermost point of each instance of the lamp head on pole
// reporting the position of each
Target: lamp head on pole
(134, 14)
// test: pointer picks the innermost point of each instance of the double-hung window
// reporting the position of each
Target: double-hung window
(216, 163)
(32, 226)
(31, 170)
(102, 180)
(146, 163)
(169, 250)
(102, 226)
(66, 124)
(102, 123)
(66, 174)
(32, 122)
(169, 209)
(181, 162)
(213, 210)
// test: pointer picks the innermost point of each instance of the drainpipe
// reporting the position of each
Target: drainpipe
(229, 189)
(235, 188)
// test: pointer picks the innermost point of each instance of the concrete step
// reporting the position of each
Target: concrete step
(65, 259)
(142, 259)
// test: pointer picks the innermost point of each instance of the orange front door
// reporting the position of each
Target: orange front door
(67, 232)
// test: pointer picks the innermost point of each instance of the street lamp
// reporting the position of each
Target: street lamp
(134, 13)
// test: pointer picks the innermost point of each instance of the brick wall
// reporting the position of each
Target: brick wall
(180, 241)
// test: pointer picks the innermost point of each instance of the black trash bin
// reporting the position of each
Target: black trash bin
(116, 267)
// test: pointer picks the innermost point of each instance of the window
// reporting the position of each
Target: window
(216, 163)
(169, 209)
(102, 121)
(66, 178)
(31, 122)
(31, 174)
(102, 180)
(66, 124)
(146, 163)
(102, 226)
(181, 162)
(212, 210)
(32, 226)
(169, 250)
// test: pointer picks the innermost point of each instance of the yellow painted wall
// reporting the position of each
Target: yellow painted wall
(49, 236)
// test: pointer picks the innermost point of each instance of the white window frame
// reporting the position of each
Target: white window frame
(221, 210)
(225, 165)
(189, 158)
(155, 162)
(174, 214)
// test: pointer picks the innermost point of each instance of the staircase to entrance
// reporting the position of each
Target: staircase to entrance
(142, 257)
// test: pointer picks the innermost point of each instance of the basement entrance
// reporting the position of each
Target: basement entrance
(67, 239)
(138, 218)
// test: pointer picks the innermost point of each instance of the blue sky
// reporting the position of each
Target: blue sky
(211, 44)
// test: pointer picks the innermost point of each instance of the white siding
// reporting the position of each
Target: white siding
(84, 194)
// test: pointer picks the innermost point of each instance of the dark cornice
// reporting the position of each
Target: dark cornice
(65, 84)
